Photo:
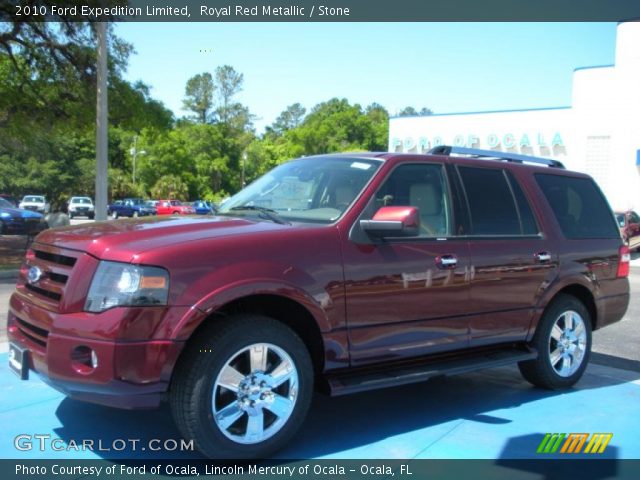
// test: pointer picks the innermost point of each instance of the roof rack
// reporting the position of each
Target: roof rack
(495, 154)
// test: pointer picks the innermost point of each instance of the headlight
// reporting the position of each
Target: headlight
(5, 215)
(121, 284)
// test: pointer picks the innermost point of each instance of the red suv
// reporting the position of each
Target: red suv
(338, 272)
(629, 224)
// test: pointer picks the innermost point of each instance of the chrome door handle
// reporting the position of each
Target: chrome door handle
(543, 257)
(447, 261)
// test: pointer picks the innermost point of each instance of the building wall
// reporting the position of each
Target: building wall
(598, 134)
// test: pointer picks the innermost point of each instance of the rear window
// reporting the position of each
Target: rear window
(579, 206)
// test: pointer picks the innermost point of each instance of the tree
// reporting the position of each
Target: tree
(199, 96)
(290, 118)
(228, 84)
(412, 112)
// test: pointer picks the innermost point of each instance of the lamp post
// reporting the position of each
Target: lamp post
(244, 160)
(134, 153)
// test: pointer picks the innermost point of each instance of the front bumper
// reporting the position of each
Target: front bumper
(129, 373)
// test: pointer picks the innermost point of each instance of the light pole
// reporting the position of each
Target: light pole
(134, 153)
(244, 160)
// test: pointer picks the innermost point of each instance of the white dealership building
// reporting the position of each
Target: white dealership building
(598, 134)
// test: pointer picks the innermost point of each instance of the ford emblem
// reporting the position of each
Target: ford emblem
(34, 274)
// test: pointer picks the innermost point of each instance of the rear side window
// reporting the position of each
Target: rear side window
(579, 206)
(490, 201)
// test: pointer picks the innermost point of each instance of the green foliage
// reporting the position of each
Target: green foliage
(47, 124)
(199, 96)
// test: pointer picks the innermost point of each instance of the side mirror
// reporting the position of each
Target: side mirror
(393, 222)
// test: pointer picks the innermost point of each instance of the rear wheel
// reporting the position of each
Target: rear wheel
(563, 341)
(243, 388)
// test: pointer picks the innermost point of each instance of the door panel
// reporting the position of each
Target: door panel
(400, 303)
(508, 278)
(408, 297)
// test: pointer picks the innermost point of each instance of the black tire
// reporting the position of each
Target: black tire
(70, 216)
(544, 371)
(91, 216)
(196, 380)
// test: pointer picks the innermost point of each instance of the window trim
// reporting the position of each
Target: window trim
(356, 234)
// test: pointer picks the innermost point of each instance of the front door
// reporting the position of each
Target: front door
(407, 297)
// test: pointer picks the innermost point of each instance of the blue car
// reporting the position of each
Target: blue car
(203, 207)
(17, 221)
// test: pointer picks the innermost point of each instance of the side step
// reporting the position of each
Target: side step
(343, 383)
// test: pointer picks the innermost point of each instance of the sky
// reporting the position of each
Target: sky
(447, 67)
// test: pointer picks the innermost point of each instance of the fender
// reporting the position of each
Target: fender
(218, 298)
(560, 282)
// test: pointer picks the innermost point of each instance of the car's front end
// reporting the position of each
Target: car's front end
(77, 321)
(81, 209)
(15, 221)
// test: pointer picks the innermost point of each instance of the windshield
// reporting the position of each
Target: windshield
(33, 199)
(5, 204)
(307, 190)
(81, 200)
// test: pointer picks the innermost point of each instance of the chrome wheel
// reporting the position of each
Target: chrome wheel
(567, 343)
(255, 393)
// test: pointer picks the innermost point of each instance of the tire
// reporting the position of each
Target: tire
(114, 215)
(135, 214)
(70, 216)
(218, 418)
(92, 216)
(560, 365)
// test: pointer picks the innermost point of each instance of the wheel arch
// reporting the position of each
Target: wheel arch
(284, 309)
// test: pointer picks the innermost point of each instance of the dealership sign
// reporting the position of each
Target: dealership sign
(493, 140)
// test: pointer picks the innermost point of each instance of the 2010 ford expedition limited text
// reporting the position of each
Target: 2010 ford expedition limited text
(341, 273)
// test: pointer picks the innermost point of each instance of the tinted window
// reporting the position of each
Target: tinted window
(579, 206)
(491, 203)
(634, 218)
(527, 220)
(422, 186)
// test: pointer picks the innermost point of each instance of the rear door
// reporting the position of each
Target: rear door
(408, 296)
(511, 260)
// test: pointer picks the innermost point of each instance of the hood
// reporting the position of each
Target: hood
(121, 240)
(19, 212)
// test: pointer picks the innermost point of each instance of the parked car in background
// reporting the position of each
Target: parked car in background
(81, 207)
(18, 221)
(173, 207)
(10, 198)
(629, 224)
(202, 207)
(36, 203)
(130, 207)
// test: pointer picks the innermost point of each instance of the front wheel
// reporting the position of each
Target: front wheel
(563, 341)
(243, 388)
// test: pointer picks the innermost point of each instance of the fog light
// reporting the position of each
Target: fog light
(84, 359)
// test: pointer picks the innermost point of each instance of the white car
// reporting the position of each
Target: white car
(81, 207)
(36, 203)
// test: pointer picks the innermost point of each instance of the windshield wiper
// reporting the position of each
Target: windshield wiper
(266, 213)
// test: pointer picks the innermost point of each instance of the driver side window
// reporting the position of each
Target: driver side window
(422, 186)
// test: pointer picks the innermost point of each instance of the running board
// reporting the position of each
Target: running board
(343, 383)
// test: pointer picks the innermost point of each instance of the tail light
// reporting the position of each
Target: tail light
(624, 260)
